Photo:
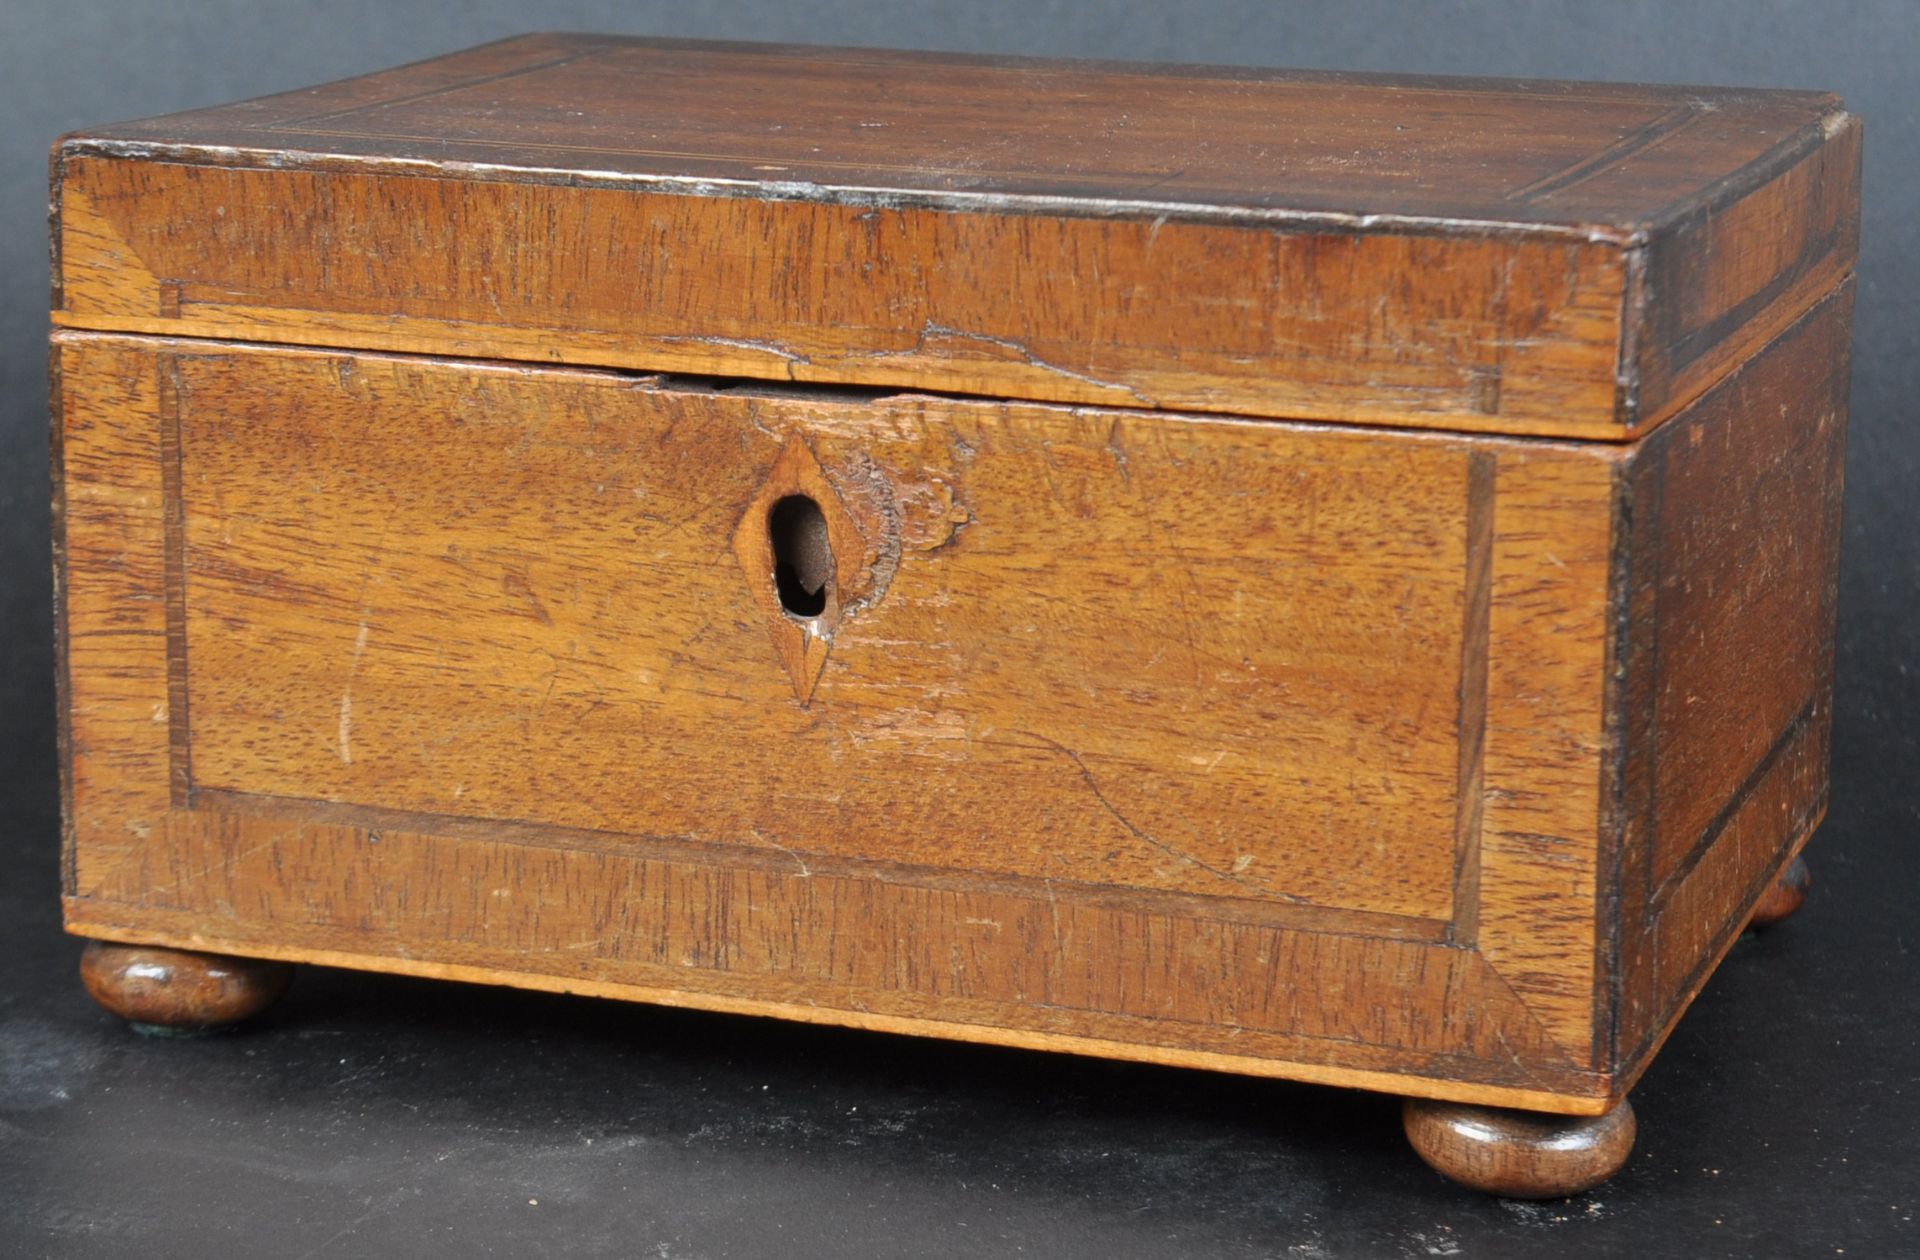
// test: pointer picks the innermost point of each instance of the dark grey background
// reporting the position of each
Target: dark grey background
(374, 1116)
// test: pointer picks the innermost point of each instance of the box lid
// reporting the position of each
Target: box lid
(1512, 256)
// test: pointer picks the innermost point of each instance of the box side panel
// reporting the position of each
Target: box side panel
(1725, 679)
(528, 722)
(1502, 334)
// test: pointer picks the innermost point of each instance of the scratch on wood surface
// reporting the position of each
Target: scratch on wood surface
(1145, 837)
(1118, 453)
(786, 356)
(346, 696)
(516, 583)
(931, 330)
(1521, 1066)
(229, 862)
(1053, 918)
(771, 843)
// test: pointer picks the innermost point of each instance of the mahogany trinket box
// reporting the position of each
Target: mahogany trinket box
(1314, 575)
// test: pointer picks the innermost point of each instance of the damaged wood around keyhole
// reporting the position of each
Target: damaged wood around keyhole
(802, 555)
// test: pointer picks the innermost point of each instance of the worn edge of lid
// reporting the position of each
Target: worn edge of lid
(1831, 126)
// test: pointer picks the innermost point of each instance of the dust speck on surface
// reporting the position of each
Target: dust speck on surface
(39, 1067)
(1546, 1214)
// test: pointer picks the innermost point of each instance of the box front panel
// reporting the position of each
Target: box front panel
(1104, 649)
(1200, 735)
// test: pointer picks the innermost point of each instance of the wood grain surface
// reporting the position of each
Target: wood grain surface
(1273, 747)
(1070, 555)
(1173, 646)
(1528, 258)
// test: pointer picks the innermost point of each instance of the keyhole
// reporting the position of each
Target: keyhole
(802, 557)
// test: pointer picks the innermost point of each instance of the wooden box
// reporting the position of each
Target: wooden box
(1322, 576)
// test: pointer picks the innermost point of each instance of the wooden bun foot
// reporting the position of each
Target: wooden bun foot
(1786, 895)
(178, 992)
(1519, 1154)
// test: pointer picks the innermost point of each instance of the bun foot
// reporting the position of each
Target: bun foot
(1519, 1154)
(178, 992)
(1786, 895)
